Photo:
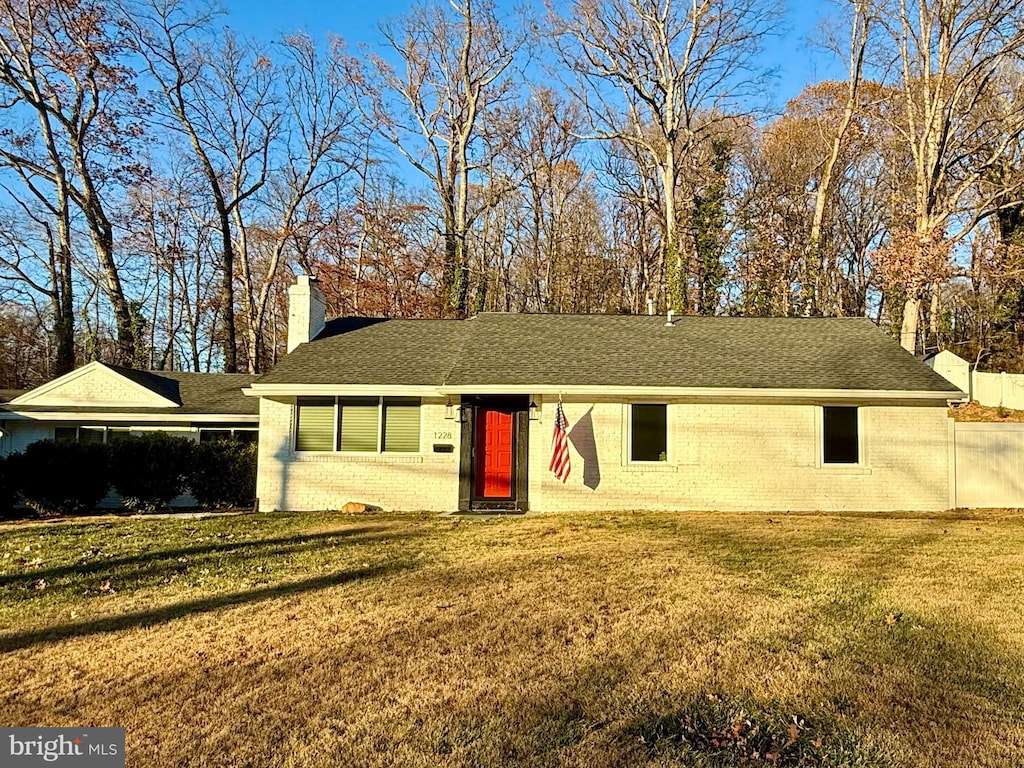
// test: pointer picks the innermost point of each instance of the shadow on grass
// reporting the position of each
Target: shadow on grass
(277, 545)
(167, 613)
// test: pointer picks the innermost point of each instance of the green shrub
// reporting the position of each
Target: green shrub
(223, 474)
(149, 470)
(6, 489)
(61, 478)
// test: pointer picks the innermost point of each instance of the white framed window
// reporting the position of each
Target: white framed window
(245, 435)
(648, 433)
(841, 436)
(96, 435)
(357, 424)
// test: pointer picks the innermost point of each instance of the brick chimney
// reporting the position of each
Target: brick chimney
(306, 311)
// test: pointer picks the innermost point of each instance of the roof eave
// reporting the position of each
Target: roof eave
(128, 418)
(729, 393)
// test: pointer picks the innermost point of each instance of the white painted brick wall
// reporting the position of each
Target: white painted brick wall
(753, 457)
(423, 481)
(721, 456)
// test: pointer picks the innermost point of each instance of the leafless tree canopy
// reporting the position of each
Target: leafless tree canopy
(163, 177)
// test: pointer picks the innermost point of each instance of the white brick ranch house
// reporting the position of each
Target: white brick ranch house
(697, 413)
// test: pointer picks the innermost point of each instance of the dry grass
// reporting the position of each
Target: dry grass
(972, 411)
(572, 640)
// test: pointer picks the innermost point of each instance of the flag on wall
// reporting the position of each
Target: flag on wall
(560, 445)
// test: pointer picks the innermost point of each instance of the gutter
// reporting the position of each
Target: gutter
(701, 393)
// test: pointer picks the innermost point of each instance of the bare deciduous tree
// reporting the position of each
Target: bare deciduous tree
(949, 58)
(219, 95)
(61, 67)
(660, 75)
(454, 65)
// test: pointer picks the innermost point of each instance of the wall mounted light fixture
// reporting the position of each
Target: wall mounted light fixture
(534, 411)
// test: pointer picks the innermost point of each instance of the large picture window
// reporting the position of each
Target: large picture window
(358, 424)
(841, 437)
(648, 432)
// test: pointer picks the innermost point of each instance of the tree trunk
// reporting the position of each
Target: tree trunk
(675, 274)
(64, 317)
(227, 294)
(908, 332)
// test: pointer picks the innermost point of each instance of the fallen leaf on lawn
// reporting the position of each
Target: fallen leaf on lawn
(793, 733)
(41, 584)
(105, 585)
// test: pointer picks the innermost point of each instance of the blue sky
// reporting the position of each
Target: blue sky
(798, 64)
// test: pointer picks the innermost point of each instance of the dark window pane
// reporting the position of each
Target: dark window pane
(841, 443)
(649, 432)
(118, 433)
(247, 436)
(90, 434)
(214, 435)
(65, 434)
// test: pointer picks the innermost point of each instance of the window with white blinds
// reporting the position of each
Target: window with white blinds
(358, 424)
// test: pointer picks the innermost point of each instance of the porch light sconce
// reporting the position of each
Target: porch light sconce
(534, 411)
(450, 409)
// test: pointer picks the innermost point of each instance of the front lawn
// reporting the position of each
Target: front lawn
(696, 639)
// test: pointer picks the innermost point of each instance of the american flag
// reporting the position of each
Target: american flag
(560, 446)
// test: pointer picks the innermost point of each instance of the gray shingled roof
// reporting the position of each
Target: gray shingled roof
(374, 351)
(609, 350)
(195, 393)
(6, 395)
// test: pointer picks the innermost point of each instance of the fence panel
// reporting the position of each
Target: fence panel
(994, 389)
(989, 464)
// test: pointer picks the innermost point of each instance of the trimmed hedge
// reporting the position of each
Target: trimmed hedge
(61, 478)
(149, 470)
(7, 492)
(223, 474)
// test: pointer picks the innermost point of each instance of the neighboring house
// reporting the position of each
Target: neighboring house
(98, 401)
(696, 413)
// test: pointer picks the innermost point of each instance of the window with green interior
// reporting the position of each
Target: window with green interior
(357, 424)
(648, 432)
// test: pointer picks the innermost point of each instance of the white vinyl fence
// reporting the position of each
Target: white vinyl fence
(992, 389)
(989, 464)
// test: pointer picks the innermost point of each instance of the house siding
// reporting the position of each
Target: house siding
(314, 481)
(720, 456)
(21, 434)
(751, 457)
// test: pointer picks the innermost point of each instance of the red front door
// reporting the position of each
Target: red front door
(494, 454)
